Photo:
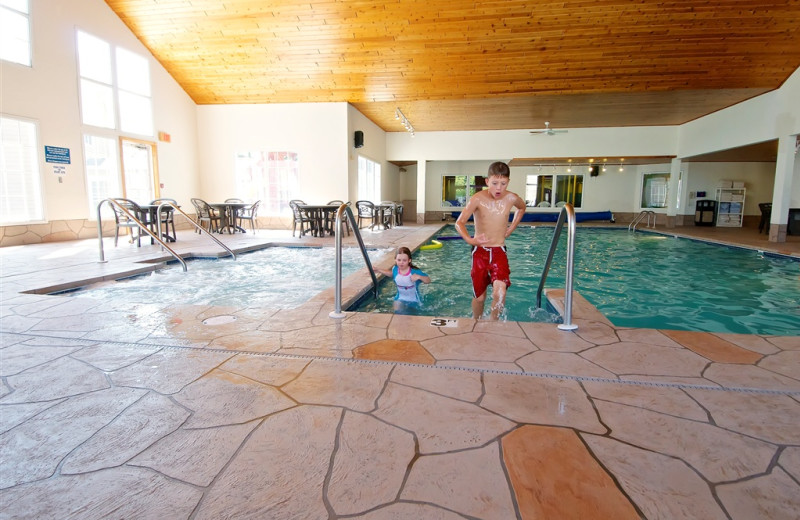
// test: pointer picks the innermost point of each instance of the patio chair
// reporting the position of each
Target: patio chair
(388, 213)
(398, 214)
(234, 216)
(331, 217)
(249, 213)
(206, 215)
(366, 211)
(122, 220)
(167, 216)
(301, 218)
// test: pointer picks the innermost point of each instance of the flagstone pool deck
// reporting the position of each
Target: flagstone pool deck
(185, 411)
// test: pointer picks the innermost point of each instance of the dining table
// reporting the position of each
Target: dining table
(149, 215)
(382, 219)
(227, 215)
(321, 215)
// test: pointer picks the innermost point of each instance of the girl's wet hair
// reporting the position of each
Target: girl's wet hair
(403, 250)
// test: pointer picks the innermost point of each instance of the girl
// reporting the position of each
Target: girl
(407, 277)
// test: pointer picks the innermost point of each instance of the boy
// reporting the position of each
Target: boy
(491, 208)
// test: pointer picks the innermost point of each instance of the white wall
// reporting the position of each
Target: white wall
(507, 144)
(47, 93)
(374, 149)
(764, 118)
(318, 132)
(611, 190)
(760, 119)
(758, 179)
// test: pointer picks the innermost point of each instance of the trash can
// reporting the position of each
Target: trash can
(705, 212)
(793, 226)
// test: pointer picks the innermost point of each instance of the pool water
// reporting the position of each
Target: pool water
(275, 278)
(641, 279)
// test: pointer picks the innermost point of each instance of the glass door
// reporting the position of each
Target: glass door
(139, 170)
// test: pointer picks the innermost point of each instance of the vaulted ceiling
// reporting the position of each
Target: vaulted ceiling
(467, 65)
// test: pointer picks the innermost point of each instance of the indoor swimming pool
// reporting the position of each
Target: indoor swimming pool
(641, 279)
(274, 277)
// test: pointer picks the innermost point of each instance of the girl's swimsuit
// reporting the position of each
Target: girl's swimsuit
(406, 288)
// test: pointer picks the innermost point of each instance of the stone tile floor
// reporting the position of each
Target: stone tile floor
(148, 412)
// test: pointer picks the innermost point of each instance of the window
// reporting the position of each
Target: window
(540, 191)
(20, 183)
(102, 177)
(654, 190)
(15, 32)
(102, 91)
(457, 189)
(271, 177)
(133, 77)
(369, 180)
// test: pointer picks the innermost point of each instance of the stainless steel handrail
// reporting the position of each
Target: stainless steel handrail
(139, 223)
(345, 210)
(640, 217)
(567, 213)
(195, 224)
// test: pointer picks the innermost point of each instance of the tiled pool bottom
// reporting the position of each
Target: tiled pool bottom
(161, 416)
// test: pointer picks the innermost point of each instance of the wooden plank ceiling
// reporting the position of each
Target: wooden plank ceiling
(467, 65)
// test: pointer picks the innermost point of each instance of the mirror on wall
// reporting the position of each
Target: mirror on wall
(545, 191)
(457, 189)
(654, 190)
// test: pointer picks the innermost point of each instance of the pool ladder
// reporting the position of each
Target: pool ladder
(567, 214)
(640, 217)
(142, 226)
(344, 211)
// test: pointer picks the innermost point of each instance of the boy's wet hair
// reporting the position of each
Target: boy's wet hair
(499, 168)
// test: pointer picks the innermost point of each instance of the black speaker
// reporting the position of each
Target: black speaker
(359, 139)
(595, 170)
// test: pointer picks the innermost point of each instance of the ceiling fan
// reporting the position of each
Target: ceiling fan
(547, 130)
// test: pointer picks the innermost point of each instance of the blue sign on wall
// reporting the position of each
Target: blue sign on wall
(56, 154)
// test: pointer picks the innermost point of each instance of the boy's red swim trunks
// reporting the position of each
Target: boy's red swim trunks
(488, 264)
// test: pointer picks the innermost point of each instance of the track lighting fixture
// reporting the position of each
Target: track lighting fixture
(400, 116)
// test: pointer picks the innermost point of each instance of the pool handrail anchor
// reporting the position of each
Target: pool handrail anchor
(345, 210)
(191, 221)
(567, 213)
(642, 214)
(114, 203)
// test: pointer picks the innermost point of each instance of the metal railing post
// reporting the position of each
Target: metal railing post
(337, 291)
(348, 213)
(142, 226)
(568, 325)
(100, 232)
(567, 213)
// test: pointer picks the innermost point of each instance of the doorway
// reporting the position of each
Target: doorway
(139, 170)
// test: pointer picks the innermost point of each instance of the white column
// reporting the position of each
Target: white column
(781, 193)
(672, 191)
(421, 191)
